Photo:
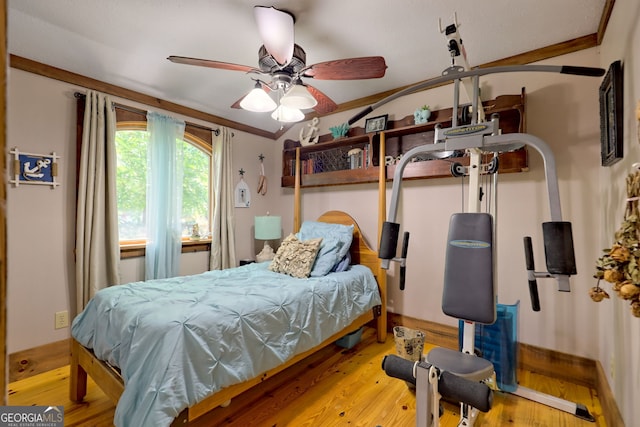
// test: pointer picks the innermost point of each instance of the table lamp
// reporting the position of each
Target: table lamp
(267, 228)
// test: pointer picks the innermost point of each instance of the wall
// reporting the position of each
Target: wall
(618, 330)
(41, 220)
(563, 111)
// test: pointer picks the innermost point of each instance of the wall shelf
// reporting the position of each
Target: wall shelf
(327, 162)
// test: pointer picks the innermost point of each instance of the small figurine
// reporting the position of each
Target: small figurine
(339, 131)
(422, 114)
(195, 232)
(312, 135)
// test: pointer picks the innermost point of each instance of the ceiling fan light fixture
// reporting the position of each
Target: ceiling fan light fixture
(258, 100)
(299, 97)
(287, 114)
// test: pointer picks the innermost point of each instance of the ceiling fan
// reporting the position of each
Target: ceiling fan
(284, 63)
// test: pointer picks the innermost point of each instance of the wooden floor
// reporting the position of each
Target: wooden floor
(335, 387)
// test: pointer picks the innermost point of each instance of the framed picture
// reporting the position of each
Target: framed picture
(376, 124)
(30, 168)
(611, 115)
(243, 195)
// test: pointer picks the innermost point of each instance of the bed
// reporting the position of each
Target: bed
(179, 361)
(364, 264)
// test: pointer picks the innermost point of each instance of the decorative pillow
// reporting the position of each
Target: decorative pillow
(343, 264)
(336, 241)
(295, 257)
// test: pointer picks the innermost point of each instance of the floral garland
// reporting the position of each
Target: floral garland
(620, 264)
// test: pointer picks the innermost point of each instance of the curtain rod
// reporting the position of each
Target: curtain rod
(79, 95)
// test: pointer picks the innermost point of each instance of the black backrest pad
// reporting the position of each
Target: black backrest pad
(558, 248)
(468, 275)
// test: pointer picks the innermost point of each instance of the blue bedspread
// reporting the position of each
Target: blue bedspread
(179, 340)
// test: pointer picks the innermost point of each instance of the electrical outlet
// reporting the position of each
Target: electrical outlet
(62, 319)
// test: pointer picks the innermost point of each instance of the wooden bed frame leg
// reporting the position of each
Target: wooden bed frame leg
(381, 326)
(182, 419)
(78, 376)
(382, 329)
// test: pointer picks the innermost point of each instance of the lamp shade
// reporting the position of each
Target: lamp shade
(268, 227)
(298, 97)
(258, 101)
(287, 114)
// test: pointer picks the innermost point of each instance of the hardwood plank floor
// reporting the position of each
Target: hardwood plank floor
(334, 387)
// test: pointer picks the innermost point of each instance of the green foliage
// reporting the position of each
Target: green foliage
(131, 184)
(195, 188)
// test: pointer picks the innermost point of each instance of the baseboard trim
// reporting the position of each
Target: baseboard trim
(610, 409)
(33, 361)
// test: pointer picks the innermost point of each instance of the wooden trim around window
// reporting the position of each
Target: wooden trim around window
(128, 116)
(128, 119)
(136, 250)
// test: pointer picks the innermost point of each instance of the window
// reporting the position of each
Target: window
(131, 182)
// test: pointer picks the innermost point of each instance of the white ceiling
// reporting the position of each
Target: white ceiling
(126, 42)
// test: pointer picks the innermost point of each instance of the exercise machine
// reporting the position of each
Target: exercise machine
(478, 137)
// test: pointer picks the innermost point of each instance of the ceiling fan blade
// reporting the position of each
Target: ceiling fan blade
(237, 103)
(211, 64)
(367, 67)
(276, 31)
(325, 104)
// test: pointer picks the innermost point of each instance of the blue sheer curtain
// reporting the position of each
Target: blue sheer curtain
(164, 196)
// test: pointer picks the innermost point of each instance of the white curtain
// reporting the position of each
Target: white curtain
(164, 196)
(97, 242)
(223, 244)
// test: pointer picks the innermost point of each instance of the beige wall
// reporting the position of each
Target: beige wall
(41, 220)
(425, 206)
(562, 110)
(618, 331)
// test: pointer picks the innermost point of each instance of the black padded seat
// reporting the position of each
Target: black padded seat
(468, 366)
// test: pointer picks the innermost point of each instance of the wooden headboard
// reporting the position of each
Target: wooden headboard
(361, 252)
